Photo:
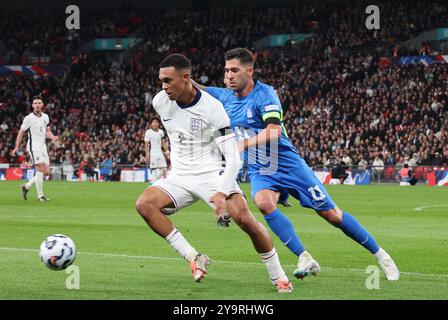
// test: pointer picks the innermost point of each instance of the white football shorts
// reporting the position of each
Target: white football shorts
(185, 190)
(39, 155)
(157, 160)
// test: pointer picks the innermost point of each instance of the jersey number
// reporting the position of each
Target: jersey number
(313, 191)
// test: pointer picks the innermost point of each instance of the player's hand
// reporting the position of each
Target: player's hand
(55, 138)
(14, 151)
(219, 200)
(224, 221)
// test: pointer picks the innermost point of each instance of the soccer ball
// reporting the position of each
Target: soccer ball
(57, 252)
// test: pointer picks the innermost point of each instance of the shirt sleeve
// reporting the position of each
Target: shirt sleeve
(215, 92)
(233, 163)
(147, 138)
(26, 124)
(218, 118)
(156, 102)
(269, 105)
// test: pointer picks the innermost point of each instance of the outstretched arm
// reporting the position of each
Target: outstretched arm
(200, 86)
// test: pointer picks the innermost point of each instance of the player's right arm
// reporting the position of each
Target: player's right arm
(147, 145)
(147, 151)
(23, 128)
(215, 92)
(18, 141)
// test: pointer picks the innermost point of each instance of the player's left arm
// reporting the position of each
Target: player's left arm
(215, 92)
(50, 135)
(272, 131)
(271, 112)
(225, 139)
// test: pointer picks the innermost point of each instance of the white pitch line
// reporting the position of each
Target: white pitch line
(433, 206)
(117, 255)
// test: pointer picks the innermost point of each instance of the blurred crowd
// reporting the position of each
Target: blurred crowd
(334, 25)
(340, 107)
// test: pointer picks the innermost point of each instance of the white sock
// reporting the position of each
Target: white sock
(381, 254)
(273, 265)
(40, 184)
(181, 245)
(30, 183)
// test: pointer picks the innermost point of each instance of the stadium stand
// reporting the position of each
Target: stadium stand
(340, 101)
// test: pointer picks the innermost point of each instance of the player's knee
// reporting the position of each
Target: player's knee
(266, 206)
(145, 207)
(333, 216)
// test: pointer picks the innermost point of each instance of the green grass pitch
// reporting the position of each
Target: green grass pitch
(119, 257)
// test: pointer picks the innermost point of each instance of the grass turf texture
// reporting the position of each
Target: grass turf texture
(121, 258)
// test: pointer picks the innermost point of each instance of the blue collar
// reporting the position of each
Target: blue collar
(195, 100)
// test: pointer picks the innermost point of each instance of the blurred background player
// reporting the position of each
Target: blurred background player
(36, 126)
(200, 137)
(155, 147)
(275, 167)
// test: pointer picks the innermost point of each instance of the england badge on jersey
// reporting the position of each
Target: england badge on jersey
(195, 125)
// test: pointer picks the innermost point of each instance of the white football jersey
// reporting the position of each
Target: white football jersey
(36, 128)
(155, 139)
(191, 131)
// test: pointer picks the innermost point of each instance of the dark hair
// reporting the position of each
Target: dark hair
(155, 118)
(241, 54)
(37, 97)
(176, 60)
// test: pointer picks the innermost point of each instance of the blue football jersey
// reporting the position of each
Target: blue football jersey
(247, 115)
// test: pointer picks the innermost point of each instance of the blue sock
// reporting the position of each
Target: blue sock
(284, 229)
(352, 228)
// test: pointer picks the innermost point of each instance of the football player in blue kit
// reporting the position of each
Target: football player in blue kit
(275, 168)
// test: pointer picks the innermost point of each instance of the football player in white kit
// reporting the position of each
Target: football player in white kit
(36, 126)
(154, 150)
(200, 136)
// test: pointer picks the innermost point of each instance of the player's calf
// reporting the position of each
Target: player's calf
(149, 206)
